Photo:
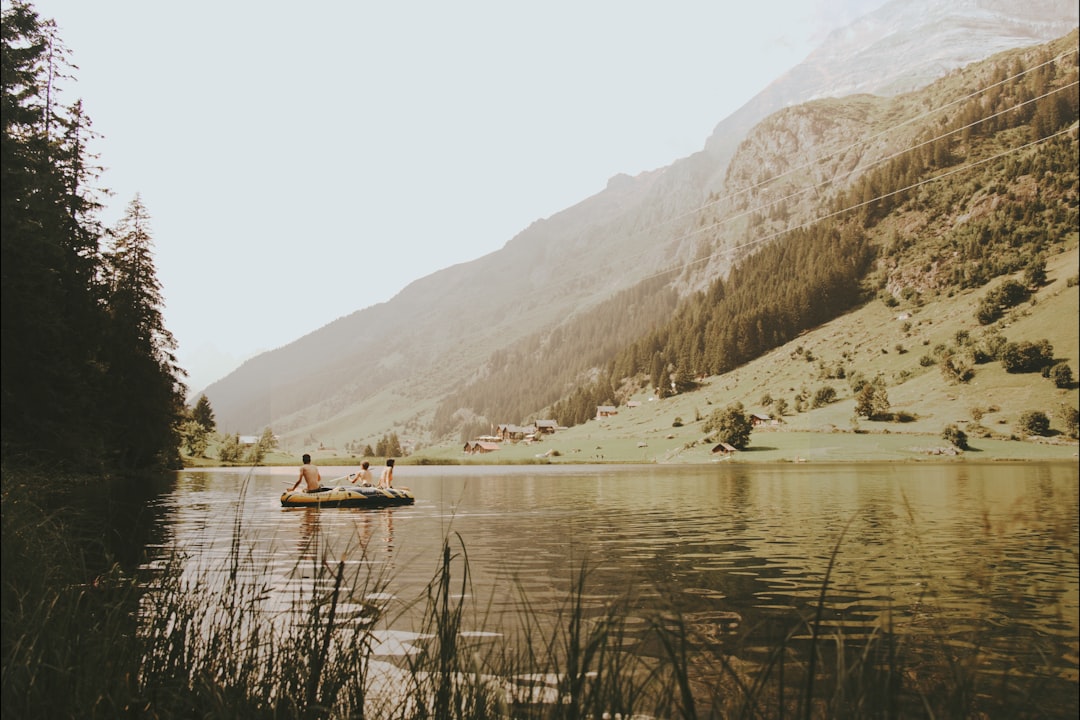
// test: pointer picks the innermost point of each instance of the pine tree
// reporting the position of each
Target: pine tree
(203, 414)
(145, 386)
(50, 294)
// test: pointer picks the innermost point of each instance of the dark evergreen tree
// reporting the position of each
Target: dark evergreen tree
(51, 309)
(203, 414)
(145, 387)
(388, 446)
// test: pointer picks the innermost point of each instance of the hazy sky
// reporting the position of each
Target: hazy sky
(301, 161)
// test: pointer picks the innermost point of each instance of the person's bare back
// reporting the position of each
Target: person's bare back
(387, 478)
(364, 475)
(309, 474)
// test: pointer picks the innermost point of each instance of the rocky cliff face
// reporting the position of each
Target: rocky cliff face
(902, 46)
(386, 365)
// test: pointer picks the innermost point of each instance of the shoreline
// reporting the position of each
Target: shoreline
(766, 447)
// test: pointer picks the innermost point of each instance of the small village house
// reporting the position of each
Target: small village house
(476, 447)
(723, 449)
(514, 433)
(546, 427)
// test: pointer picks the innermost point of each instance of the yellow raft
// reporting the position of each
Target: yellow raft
(362, 496)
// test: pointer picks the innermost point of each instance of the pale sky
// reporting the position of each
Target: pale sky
(301, 161)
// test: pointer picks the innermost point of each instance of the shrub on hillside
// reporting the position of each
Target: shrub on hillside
(824, 395)
(1070, 418)
(872, 401)
(1025, 357)
(956, 436)
(1035, 272)
(1009, 294)
(856, 380)
(989, 348)
(1061, 375)
(1034, 422)
(956, 370)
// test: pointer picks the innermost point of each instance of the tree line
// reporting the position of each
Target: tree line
(88, 367)
(799, 282)
(517, 382)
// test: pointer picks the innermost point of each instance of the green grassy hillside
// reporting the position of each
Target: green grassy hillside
(875, 340)
(865, 341)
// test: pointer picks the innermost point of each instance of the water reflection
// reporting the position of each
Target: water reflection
(951, 551)
(308, 547)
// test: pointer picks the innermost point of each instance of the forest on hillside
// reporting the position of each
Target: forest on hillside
(987, 186)
(89, 375)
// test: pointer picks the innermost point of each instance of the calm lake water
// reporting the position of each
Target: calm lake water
(984, 553)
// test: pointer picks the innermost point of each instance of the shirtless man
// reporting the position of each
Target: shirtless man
(364, 475)
(310, 474)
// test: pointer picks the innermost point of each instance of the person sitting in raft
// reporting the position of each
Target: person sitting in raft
(387, 478)
(309, 473)
(364, 475)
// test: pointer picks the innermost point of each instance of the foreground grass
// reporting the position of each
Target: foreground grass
(83, 637)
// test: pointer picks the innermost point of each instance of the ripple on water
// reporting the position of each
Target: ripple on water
(965, 554)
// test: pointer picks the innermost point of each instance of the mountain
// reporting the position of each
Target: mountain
(389, 366)
(899, 47)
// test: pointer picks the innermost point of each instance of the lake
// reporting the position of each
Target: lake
(958, 553)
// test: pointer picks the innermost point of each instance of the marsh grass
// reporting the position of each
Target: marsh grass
(226, 637)
(64, 602)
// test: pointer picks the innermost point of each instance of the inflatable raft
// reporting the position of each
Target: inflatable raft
(356, 496)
